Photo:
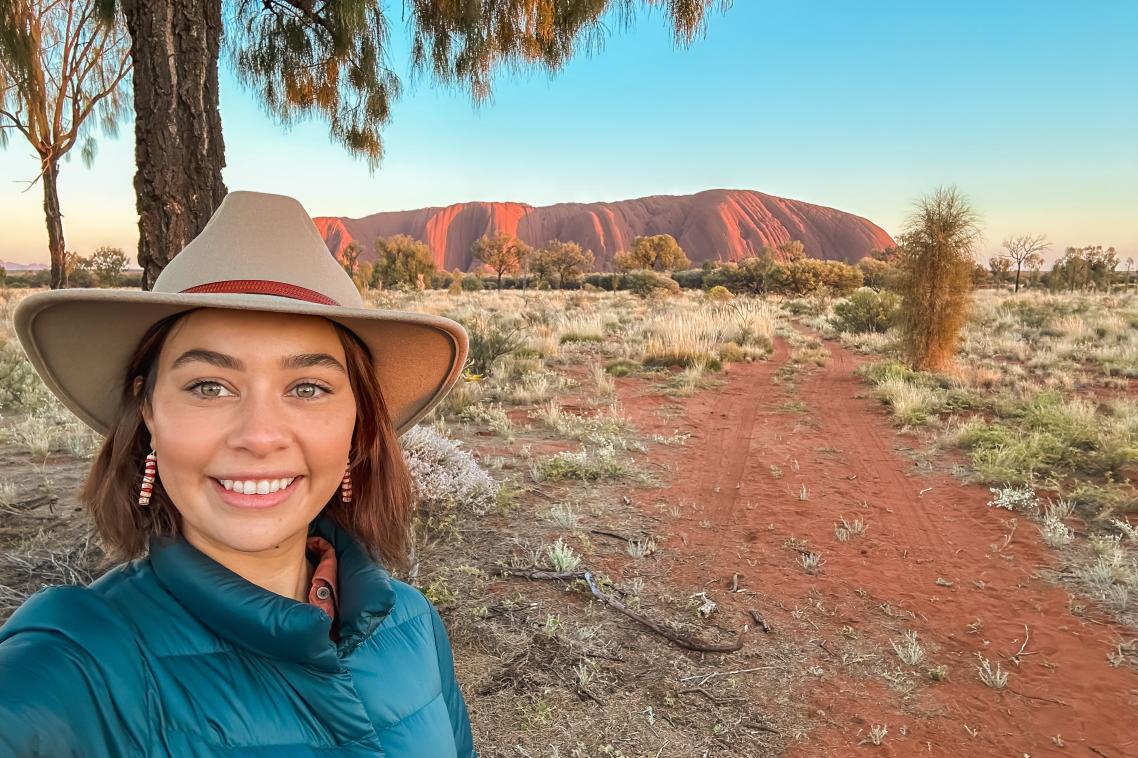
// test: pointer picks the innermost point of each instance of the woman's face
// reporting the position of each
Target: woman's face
(250, 396)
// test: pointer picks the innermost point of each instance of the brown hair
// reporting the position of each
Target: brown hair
(380, 513)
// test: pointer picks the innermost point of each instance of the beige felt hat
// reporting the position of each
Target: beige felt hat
(258, 252)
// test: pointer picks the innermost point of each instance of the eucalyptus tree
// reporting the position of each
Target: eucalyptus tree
(327, 58)
(60, 77)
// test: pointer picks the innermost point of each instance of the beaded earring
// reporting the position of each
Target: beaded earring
(148, 472)
(346, 487)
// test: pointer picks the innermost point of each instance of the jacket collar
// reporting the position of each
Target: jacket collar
(269, 624)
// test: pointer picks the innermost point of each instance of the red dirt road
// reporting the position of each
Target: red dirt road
(934, 559)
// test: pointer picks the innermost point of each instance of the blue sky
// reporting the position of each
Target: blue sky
(1029, 108)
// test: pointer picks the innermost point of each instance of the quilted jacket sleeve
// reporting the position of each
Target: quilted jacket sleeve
(57, 698)
(459, 717)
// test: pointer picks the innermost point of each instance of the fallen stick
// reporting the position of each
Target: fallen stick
(603, 533)
(675, 637)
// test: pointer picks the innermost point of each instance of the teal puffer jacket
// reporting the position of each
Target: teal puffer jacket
(174, 654)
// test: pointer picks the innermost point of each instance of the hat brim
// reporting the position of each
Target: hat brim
(79, 342)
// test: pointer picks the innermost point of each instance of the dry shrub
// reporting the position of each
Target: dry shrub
(935, 279)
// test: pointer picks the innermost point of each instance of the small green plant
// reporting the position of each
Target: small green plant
(866, 310)
(939, 673)
(561, 556)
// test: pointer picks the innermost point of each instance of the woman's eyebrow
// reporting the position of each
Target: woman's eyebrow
(288, 362)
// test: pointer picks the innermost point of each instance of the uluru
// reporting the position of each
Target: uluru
(714, 225)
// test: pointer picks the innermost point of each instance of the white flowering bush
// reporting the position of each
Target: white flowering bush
(1020, 499)
(1055, 532)
(445, 476)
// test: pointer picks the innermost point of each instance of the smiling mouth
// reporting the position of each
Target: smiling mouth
(268, 500)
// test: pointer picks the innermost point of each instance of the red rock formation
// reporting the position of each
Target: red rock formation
(717, 225)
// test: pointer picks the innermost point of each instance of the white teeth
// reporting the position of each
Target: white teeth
(262, 487)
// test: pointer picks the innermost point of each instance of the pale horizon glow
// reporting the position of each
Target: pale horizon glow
(859, 108)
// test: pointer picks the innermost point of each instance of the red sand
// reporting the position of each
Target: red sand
(921, 527)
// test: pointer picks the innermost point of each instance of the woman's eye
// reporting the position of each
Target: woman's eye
(207, 392)
(304, 390)
(304, 386)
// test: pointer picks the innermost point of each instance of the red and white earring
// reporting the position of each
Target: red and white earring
(148, 473)
(346, 487)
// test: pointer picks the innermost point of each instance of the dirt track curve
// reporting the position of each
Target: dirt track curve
(934, 559)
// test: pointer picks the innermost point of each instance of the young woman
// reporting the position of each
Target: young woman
(252, 485)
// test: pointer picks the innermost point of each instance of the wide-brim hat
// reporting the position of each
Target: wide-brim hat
(259, 252)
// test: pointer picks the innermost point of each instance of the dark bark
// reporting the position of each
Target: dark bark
(54, 216)
(1018, 267)
(179, 152)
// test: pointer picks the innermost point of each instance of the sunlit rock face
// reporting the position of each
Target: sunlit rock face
(716, 225)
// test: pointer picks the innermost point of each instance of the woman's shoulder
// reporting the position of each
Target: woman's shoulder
(410, 602)
(79, 615)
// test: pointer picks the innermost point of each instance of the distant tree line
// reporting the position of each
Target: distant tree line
(106, 267)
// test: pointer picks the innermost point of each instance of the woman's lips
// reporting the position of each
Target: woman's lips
(268, 500)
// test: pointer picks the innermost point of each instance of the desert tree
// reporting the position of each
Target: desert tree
(350, 257)
(1026, 251)
(503, 253)
(938, 241)
(1000, 267)
(1129, 268)
(402, 260)
(329, 59)
(658, 252)
(1102, 262)
(563, 260)
(60, 76)
(108, 264)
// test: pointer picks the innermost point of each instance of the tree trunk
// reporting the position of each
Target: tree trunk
(179, 151)
(54, 216)
(1017, 277)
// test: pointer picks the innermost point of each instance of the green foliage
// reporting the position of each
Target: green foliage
(790, 251)
(866, 310)
(331, 58)
(491, 337)
(402, 261)
(622, 367)
(645, 283)
(936, 277)
(562, 262)
(720, 294)
(1084, 268)
(350, 258)
(108, 263)
(21, 388)
(503, 253)
(806, 276)
(877, 274)
(659, 252)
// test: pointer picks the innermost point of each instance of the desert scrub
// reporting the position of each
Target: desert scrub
(866, 310)
(21, 388)
(492, 417)
(910, 403)
(491, 337)
(1050, 435)
(446, 478)
(607, 427)
(533, 387)
(584, 465)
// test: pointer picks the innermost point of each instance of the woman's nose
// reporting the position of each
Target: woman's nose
(261, 424)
